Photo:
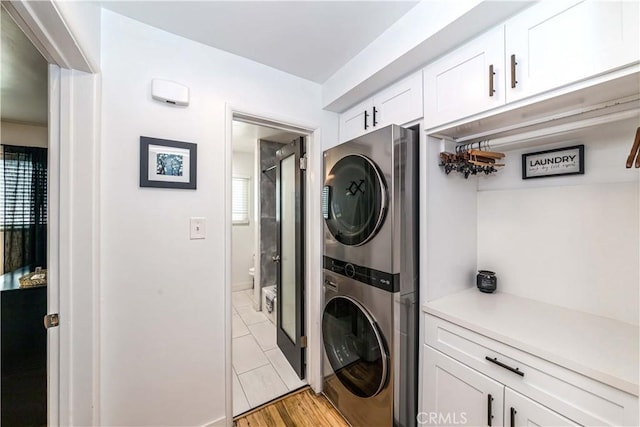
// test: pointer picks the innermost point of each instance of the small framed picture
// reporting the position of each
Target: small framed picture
(167, 164)
(561, 161)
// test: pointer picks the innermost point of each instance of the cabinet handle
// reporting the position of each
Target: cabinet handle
(514, 82)
(375, 122)
(497, 362)
(366, 116)
(489, 414)
(491, 74)
(512, 417)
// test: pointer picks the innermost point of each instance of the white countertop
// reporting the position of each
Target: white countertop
(597, 347)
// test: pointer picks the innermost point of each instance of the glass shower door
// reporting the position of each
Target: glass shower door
(290, 272)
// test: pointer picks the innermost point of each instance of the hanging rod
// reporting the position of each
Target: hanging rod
(629, 103)
(556, 130)
(269, 169)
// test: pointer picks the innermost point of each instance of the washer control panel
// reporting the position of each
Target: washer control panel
(379, 279)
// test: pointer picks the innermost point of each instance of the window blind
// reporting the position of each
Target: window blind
(16, 199)
(240, 200)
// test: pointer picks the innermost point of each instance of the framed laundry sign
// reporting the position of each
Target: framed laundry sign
(167, 164)
(560, 161)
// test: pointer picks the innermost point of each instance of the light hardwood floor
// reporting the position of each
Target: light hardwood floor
(300, 409)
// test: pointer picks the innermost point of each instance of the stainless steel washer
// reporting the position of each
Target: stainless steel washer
(357, 330)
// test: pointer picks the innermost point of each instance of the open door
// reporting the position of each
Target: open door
(290, 253)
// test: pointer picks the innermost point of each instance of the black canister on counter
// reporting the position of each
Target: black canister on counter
(486, 281)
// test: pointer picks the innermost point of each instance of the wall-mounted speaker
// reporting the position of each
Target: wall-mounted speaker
(169, 92)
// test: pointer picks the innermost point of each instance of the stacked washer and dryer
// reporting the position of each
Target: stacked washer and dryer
(369, 321)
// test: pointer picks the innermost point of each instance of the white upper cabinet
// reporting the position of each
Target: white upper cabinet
(467, 81)
(555, 43)
(550, 45)
(356, 121)
(398, 104)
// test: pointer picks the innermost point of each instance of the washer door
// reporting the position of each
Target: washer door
(354, 200)
(354, 346)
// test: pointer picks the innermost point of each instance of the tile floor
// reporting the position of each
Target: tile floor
(260, 371)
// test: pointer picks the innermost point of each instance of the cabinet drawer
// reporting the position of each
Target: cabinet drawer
(577, 397)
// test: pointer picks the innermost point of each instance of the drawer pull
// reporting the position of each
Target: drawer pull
(512, 418)
(514, 370)
(489, 414)
(514, 82)
(491, 74)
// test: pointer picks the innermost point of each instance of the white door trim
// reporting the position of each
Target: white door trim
(46, 29)
(53, 235)
(313, 244)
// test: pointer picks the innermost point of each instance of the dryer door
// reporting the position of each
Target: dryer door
(354, 346)
(354, 200)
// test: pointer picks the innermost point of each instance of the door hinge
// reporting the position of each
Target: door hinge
(303, 163)
(51, 320)
(303, 341)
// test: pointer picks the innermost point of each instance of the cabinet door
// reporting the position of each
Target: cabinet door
(400, 103)
(454, 394)
(458, 85)
(356, 121)
(522, 411)
(560, 42)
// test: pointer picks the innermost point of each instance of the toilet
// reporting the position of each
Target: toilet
(269, 302)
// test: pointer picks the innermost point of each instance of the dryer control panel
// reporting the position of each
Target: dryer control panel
(379, 279)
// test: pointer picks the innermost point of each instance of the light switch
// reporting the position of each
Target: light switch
(197, 227)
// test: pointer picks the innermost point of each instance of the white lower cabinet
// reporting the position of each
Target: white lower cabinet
(522, 411)
(471, 379)
(454, 394)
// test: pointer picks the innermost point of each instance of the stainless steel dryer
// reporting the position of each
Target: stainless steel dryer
(369, 198)
(370, 278)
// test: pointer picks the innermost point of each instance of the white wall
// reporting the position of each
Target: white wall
(24, 134)
(448, 249)
(571, 241)
(162, 295)
(242, 235)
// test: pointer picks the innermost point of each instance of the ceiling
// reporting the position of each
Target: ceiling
(23, 77)
(309, 39)
(245, 135)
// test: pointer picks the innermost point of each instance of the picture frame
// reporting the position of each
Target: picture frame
(168, 164)
(550, 163)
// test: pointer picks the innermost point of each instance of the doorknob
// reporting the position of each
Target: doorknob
(275, 258)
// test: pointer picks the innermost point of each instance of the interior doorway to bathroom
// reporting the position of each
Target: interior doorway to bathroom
(267, 262)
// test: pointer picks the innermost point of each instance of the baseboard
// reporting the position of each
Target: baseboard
(241, 286)
(217, 423)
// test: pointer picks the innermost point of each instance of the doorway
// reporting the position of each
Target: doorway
(267, 262)
(23, 228)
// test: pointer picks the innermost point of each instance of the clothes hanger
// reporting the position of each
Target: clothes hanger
(635, 152)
